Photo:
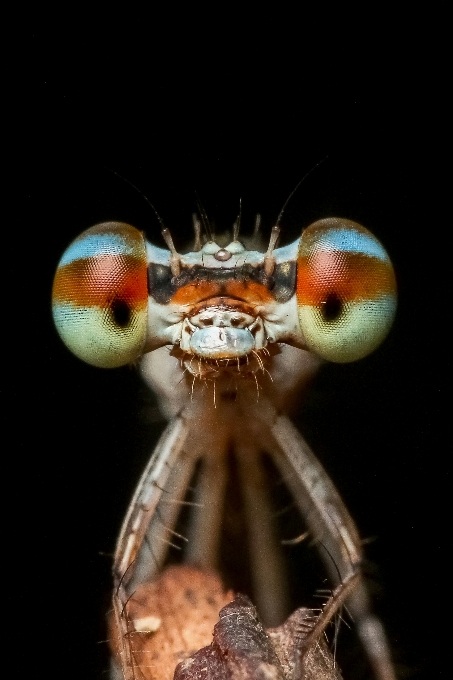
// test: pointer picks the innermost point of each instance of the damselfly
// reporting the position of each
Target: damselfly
(226, 335)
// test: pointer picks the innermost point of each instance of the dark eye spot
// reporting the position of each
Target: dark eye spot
(121, 312)
(331, 307)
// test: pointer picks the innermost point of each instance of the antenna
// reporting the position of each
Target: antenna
(175, 259)
(269, 259)
(296, 188)
(160, 220)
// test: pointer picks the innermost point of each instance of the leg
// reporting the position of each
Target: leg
(268, 571)
(133, 531)
(330, 524)
(206, 521)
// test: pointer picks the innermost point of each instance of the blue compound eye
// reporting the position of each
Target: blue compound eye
(100, 295)
(346, 290)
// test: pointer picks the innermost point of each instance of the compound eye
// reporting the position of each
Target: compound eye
(100, 295)
(346, 290)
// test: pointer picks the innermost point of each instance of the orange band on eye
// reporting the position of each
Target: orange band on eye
(94, 281)
(352, 276)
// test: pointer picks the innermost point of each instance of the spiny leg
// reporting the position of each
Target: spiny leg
(330, 524)
(147, 496)
(141, 511)
(160, 534)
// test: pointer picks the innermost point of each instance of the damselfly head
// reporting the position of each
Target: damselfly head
(116, 296)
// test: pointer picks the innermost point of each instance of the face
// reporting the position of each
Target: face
(116, 297)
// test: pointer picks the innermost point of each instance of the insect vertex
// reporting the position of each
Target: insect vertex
(254, 326)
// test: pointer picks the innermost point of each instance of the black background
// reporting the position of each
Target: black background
(230, 110)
